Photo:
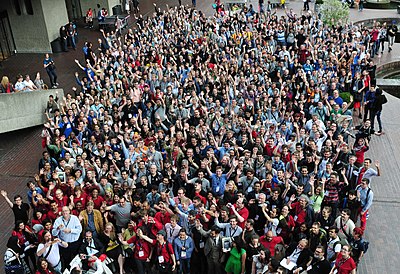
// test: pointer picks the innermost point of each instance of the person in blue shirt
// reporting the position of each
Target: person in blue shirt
(218, 180)
(183, 249)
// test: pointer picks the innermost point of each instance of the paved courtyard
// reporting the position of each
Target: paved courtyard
(21, 150)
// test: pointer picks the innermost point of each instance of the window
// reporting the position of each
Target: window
(28, 7)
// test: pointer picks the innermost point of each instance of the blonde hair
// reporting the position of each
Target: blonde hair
(112, 233)
(5, 81)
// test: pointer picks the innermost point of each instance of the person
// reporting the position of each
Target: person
(71, 32)
(392, 31)
(361, 5)
(68, 229)
(142, 251)
(231, 229)
(358, 245)
(6, 86)
(344, 264)
(20, 85)
(376, 111)
(92, 219)
(260, 263)
(319, 264)
(13, 257)
(165, 257)
(236, 263)
(183, 248)
(366, 196)
(20, 209)
(30, 86)
(333, 246)
(48, 249)
(298, 256)
(48, 64)
(64, 37)
(345, 225)
(110, 240)
(212, 247)
(122, 212)
(44, 267)
(89, 18)
(39, 83)
(90, 248)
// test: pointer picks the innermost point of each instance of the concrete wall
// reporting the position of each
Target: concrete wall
(55, 15)
(25, 109)
(29, 31)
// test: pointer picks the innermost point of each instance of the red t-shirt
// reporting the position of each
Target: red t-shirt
(271, 245)
(344, 266)
(164, 250)
(142, 248)
(300, 214)
(244, 212)
(163, 218)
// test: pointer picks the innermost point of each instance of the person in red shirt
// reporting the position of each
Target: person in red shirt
(162, 216)
(344, 264)
(269, 147)
(165, 257)
(54, 211)
(240, 211)
(299, 209)
(269, 241)
(142, 250)
(97, 200)
(78, 196)
(59, 197)
(44, 267)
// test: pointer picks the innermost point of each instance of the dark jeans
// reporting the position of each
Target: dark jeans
(142, 267)
(53, 76)
(68, 253)
(377, 114)
(184, 266)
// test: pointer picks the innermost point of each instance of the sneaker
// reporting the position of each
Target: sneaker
(57, 84)
(54, 87)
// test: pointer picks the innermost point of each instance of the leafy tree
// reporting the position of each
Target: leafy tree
(334, 12)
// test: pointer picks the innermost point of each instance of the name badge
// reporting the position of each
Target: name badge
(183, 254)
(201, 244)
(295, 218)
(141, 253)
(160, 259)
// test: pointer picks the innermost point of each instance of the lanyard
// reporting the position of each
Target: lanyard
(66, 225)
(230, 232)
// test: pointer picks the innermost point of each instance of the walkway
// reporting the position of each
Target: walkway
(20, 151)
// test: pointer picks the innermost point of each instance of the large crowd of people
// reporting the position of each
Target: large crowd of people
(198, 144)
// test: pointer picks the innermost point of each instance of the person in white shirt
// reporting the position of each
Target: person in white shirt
(49, 249)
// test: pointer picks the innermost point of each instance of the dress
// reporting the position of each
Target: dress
(234, 264)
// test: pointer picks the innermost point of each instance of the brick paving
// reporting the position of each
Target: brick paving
(21, 150)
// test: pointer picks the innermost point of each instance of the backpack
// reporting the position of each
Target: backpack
(366, 245)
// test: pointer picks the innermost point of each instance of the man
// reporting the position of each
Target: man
(20, 209)
(231, 229)
(333, 245)
(122, 212)
(367, 171)
(212, 248)
(345, 225)
(269, 241)
(301, 210)
(317, 236)
(246, 183)
(49, 249)
(68, 229)
(92, 219)
(166, 261)
(318, 265)
(366, 195)
(218, 180)
(240, 211)
(299, 255)
(90, 248)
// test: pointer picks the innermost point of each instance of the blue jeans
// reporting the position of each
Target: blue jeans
(72, 41)
(184, 266)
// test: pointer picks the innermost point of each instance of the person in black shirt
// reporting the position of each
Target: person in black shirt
(20, 209)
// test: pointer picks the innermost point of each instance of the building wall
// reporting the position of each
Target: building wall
(24, 109)
(55, 15)
(29, 31)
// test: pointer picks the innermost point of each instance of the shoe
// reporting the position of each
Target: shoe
(379, 132)
(57, 84)
(54, 87)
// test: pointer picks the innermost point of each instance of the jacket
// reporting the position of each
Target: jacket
(98, 220)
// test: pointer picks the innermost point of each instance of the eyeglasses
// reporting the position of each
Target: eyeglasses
(345, 249)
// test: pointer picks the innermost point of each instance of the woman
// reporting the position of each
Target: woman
(43, 267)
(111, 242)
(286, 224)
(260, 263)
(237, 258)
(13, 255)
(39, 83)
(344, 264)
(27, 239)
(253, 249)
(6, 86)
